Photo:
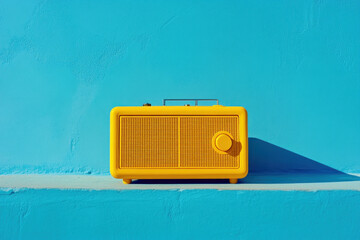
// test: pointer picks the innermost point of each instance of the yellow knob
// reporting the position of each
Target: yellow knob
(223, 142)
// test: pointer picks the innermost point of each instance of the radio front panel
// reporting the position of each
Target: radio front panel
(178, 142)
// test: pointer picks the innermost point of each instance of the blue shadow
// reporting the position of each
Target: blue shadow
(265, 157)
(270, 164)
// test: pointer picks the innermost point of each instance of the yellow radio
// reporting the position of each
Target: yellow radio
(178, 142)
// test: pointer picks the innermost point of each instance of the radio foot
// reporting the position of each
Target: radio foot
(233, 180)
(127, 181)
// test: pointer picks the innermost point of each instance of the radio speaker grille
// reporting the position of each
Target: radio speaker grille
(195, 145)
(149, 142)
(176, 142)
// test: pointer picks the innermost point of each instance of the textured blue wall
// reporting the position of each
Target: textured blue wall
(295, 65)
(189, 214)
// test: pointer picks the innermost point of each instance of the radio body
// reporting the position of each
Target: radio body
(178, 142)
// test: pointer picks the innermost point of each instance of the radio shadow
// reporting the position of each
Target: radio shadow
(271, 164)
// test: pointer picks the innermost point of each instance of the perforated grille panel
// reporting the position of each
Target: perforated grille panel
(176, 142)
(149, 142)
(195, 145)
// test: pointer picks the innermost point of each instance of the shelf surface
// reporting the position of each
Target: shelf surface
(281, 182)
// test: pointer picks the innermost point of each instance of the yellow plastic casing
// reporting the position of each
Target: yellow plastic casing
(178, 142)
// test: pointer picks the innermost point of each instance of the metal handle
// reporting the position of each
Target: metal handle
(195, 100)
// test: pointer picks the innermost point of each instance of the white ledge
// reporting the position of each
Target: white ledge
(281, 182)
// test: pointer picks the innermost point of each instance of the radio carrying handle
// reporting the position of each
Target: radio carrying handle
(195, 100)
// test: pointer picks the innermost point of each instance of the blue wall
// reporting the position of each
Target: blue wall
(295, 65)
(189, 214)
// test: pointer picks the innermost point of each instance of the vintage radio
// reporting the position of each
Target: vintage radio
(178, 142)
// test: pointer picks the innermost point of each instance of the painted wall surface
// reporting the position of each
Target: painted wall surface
(189, 214)
(295, 66)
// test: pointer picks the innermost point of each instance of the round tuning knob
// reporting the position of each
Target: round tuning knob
(222, 142)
